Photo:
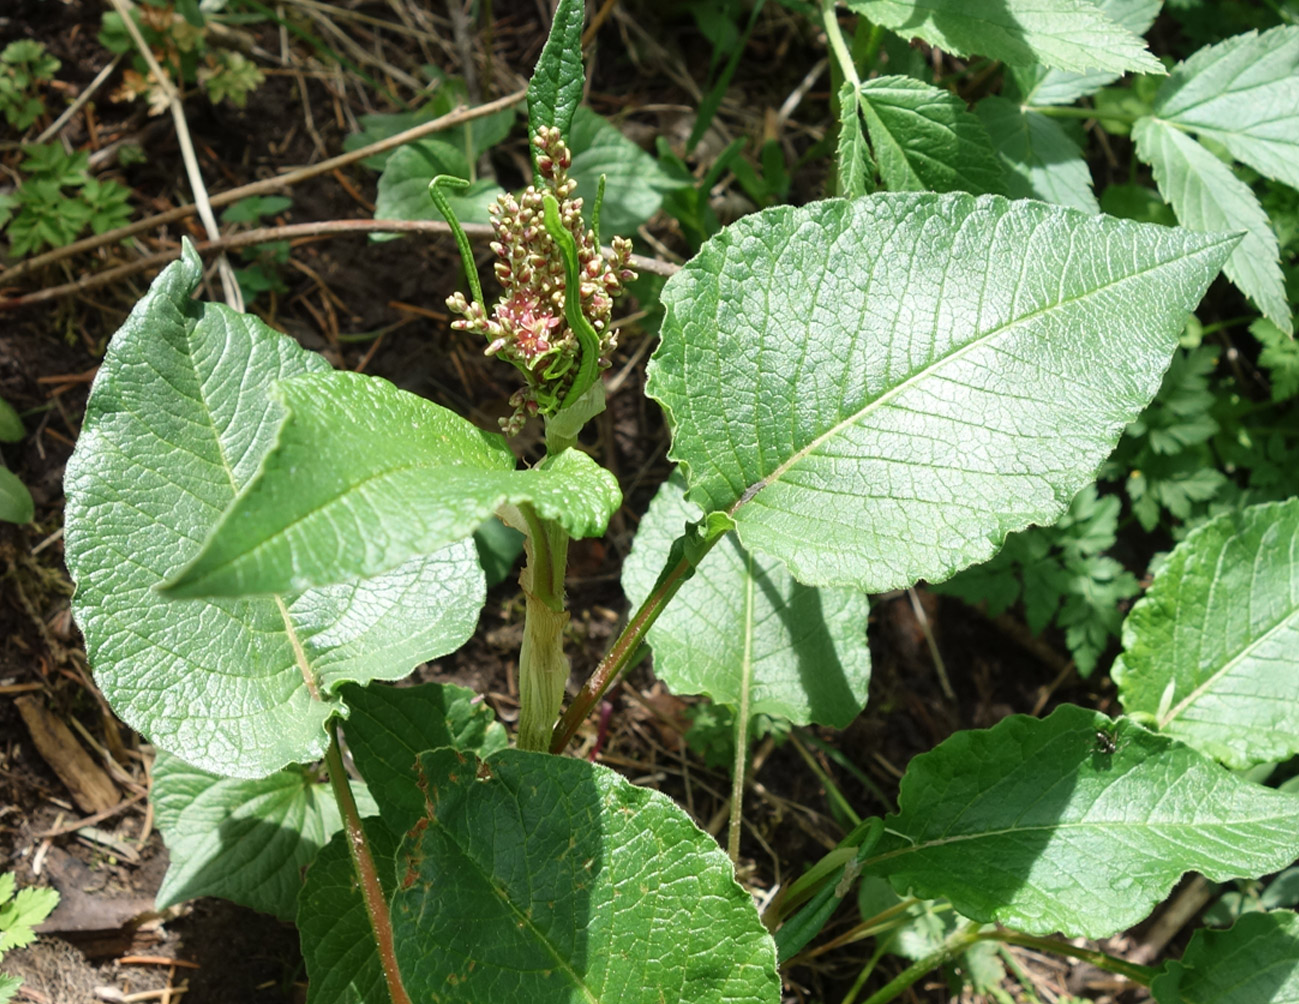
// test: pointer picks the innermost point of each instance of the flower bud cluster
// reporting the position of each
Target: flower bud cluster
(527, 326)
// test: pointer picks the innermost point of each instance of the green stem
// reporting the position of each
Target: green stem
(376, 904)
(958, 942)
(1111, 964)
(742, 725)
(462, 241)
(837, 44)
(625, 647)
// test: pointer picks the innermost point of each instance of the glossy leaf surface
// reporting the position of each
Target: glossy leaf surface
(537, 879)
(742, 623)
(1211, 651)
(1038, 825)
(1068, 34)
(179, 420)
(365, 476)
(880, 390)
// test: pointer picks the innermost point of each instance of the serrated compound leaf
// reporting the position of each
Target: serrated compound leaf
(1067, 34)
(555, 90)
(1040, 159)
(589, 889)
(1244, 93)
(1211, 651)
(925, 139)
(338, 945)
(1255, 961)
(1207, 196)
(179, 419)
(743, 623)
(389, 727)
(1044, 85)
(9, 985)
(856, 169)
(243, 840)
(19, 916)
(1037, 824)
(634, 182)
(364, 476)
(880, 390)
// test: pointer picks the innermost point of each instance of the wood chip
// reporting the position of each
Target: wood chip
(91, 788)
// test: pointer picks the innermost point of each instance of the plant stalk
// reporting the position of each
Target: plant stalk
(1101, 960)
(833, 34)
(958, 942)
(376, 904)
(625, 647)
(742, 713)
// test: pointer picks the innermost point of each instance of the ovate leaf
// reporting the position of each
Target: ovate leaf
(1212, 650)
(179, 420)
(16, 504)
(1068, 34)
(1036, 824)
(742, 623)
(634, 182)
(555, 90)
(1040, 159)
(403, 186)
(1208, 196)
(243, 840)
(1255, 961)
(365, 476)
(1244, 93)
(880, 390)
(925, 139)
(588, 889)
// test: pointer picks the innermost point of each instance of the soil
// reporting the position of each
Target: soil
(106, 942)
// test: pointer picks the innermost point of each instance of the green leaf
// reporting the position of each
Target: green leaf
(856, 170)
(19, 915)
(179, 420)
(243, 840)
(1034, 824)
(403, 186)
(1040, 160)
(364, 477)
(1256, 961)
(634, 184)
(1280, 357)
(337, 941)
(925, 139)
(880, 390)
(1209, 197)
(11, 426)
(589, 889)
(555, 90)
(1212, 650)
(1068, 34)
(1041, 85)
(16, 505)
(8, 987)
(1244, 93)
(743, 624)
(389, 727)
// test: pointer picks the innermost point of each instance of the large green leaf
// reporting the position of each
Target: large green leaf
(555, 90)
(634, 182)
(389, 727)
(403, 187)
(742, 625)
(1212, 650)
(365, 476)
(1068, 34)
(536, 879)
(1255, 961)
(1043, 85)
(244, 840)
(1041, 161)
(880, 390)
(338, 945)
(1208, 196)
(179, 419)
(1037, 824)
(1244, 93)
(925, 139)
